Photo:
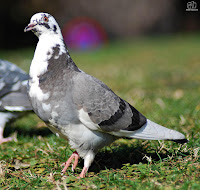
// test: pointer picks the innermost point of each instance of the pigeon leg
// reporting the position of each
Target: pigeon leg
(84, 171)
(88, 159)
(2, 139)
(66, 164)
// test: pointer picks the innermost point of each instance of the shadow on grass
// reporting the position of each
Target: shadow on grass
(26, 131)
(117, 157)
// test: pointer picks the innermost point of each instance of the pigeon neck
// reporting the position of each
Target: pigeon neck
(47, 43)
(50, 47)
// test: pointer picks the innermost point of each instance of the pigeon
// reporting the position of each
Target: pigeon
(77, 106)
(14, 100)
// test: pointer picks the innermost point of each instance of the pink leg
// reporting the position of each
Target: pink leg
(66, 164)
(2, 139)
(84, 171)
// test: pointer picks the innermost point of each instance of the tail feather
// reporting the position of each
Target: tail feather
(153, 131)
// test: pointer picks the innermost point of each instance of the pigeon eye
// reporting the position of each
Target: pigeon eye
(46, 19)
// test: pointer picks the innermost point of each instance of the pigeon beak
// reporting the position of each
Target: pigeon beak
(30, 27)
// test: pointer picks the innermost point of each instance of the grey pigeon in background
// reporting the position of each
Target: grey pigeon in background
(14, 100)
(77, 106)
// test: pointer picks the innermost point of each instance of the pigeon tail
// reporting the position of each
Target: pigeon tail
(153, 131)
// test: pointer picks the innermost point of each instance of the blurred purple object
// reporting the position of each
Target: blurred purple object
(84, 33)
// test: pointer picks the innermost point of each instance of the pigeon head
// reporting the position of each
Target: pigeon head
(42, 23)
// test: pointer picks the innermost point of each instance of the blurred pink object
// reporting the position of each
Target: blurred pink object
(84, 33)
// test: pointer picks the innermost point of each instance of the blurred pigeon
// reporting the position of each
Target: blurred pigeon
(14, 100)
(77, 106)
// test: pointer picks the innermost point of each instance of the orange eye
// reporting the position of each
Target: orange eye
(46, 19)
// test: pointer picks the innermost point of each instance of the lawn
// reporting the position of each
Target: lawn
(160, 76)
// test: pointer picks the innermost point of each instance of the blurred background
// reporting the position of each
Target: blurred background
(146, 51)
(88, 24)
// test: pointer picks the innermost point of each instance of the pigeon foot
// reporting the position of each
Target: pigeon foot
(74, 156)
(2, 140)
(84, 171)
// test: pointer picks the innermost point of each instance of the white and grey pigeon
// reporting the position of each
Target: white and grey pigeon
(14, 100)
(77, 106)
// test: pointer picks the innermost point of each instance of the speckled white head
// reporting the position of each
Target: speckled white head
(43, 23)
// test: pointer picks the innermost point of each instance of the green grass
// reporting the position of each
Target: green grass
(160, 76)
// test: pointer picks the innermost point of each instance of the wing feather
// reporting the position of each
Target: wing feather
(11, 77)
(103, 109)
